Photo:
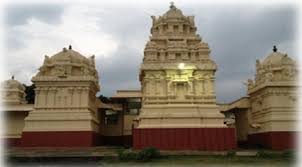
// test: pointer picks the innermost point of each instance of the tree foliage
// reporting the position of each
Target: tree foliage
(30, 93)
(105, 99)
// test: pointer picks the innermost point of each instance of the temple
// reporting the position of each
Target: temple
(174, 109)
(268, 115)
(177, 77)
(65, 104)
(16, 110)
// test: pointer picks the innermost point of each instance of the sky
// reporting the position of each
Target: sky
(117, 33)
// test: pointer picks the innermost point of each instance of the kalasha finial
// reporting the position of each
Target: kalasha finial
(70, 47)
(275, 48)
(172, 5)
(13, 77)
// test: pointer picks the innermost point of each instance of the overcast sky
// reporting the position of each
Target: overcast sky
(117, 34)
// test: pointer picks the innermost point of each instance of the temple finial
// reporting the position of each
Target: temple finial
(172, 5)
(275, 48)
(70, 47)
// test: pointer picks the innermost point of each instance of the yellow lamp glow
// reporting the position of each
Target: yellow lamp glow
(181, 66)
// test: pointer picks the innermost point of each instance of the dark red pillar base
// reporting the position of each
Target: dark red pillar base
(59, 139)
(209, 139)
(275, 140)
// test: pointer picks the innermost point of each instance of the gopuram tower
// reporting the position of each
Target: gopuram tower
(177, 76)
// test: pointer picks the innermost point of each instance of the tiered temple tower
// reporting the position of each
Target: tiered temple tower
(177, 75)
(65, 111)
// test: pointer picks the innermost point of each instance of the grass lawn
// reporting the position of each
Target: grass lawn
(209, 161)
(264, 159)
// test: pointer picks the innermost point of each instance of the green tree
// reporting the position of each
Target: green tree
(30, 93)
(105, 99)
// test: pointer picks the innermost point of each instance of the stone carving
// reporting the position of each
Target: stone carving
(276, 67)
(68, 63)
(257, 64)
(59, 71)
(250, 83)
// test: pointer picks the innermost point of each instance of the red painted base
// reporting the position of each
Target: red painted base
(212, 139)
(11, 142)
(274, 140)
(59, 139)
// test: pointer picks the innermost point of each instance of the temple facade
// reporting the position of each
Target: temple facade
(268, 115)
(178, 93)
(175, 109)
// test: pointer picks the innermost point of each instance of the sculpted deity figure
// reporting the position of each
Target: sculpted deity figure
(287, 74)
(269, 77)
(46, 60)
(250, 83)
(153, 19)
(59, 71)
(43, 68)
(85, 71)
(91, 60)
(257, 64)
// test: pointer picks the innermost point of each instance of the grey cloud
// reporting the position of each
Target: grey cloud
(121, 69)
(12, 42)
(17, 14)
(237, 36)
(119, 72)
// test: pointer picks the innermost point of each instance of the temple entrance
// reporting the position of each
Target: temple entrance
(117, 119)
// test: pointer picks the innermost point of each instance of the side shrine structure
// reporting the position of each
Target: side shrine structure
(177, 78)
(268, 116)
(15, 111)
(65, 110)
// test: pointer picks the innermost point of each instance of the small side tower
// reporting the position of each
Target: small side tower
(273, 98)
(14, 109)
(12, 92)
(65, 111)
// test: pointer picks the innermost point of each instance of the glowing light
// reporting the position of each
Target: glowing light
(181, 66)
